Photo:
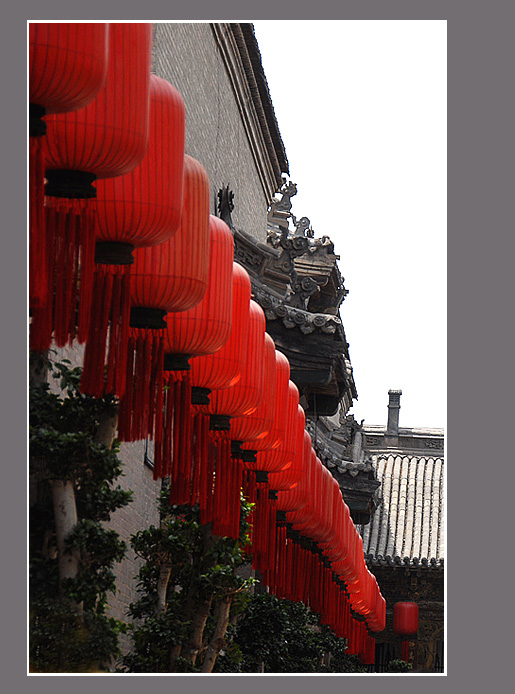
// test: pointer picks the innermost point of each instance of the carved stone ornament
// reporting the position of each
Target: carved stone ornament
(302, 289)
(303, 227)
(288, 190)
(226, 205)
(292, 317)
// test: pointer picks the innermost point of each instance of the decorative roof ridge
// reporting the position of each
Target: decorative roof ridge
(342, 461)
(276, 308)
(406, 431)
(416, 562)
(401, 453)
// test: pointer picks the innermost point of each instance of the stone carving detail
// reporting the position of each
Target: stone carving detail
(246, 257)
(303, 227)
(431, 443)
(348, 428)
(226, 205)
(288, 190)
(302, 289)
(292, 316)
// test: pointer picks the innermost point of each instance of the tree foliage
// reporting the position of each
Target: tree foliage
(198, 573)
(62, 446)
(277, 636)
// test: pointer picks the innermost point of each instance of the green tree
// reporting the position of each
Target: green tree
(189, 590)
(275, 635)
(73, 467)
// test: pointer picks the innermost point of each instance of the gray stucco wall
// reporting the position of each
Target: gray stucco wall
(187, 56)
(139, 514)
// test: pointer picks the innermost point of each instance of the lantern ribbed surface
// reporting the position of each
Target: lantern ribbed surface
(291, 478)
(223, 369)
(67, 64)
(174, 275)
(276, 459)
(67, 69)
(109, 136)
(245, 396)
(276, 428)
(143, 207)
(257, 425)
(205, 328)
(405, 618)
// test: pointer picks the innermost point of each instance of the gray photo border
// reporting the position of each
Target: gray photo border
(480, 138)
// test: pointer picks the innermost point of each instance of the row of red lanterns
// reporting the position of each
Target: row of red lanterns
(120, 192)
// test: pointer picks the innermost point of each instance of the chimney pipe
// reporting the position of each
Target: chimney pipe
(392, 428)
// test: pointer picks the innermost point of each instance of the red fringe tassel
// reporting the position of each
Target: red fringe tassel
(108, 334)
(38, 247)
(65, 251)
(140, 407)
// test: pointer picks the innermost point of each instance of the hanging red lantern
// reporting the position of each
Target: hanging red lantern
(106, 138)
(262, 484)
(261, 431)
(293, 475)
(272, 412)
(223, 494)
(255, 427)
(156, 351)
(67, 68)
(405, 623)
(171, 276)
(278, 458)
(258, 424)
(244, 397)
(223, 368)
(405, 618)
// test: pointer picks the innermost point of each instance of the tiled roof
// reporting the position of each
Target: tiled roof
(407, 527)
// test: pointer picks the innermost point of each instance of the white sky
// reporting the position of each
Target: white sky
(362, 110)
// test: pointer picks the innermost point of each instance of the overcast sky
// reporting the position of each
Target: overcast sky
(361, 107)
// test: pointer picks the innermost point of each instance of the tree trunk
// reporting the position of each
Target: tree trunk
(107, 427)
(38, 368)
(165, 572)
(174, 654)
(198, 623)
(215, 645)
(65, 513)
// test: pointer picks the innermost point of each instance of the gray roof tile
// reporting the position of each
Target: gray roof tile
(408, 524)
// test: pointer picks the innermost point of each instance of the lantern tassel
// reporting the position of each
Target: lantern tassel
(143, 397)
(107, 343)
(38, 247)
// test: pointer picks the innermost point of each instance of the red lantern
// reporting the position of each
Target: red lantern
(273, 411)
(292, 478)
(67, 68)
(252, 428)
(222, 496)
(203, 329)
(244, 397)
(405, 623)
(108, 137)
(257, 425)
(172, 276)
(278, 458)
(223, 369)
(405, 618)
